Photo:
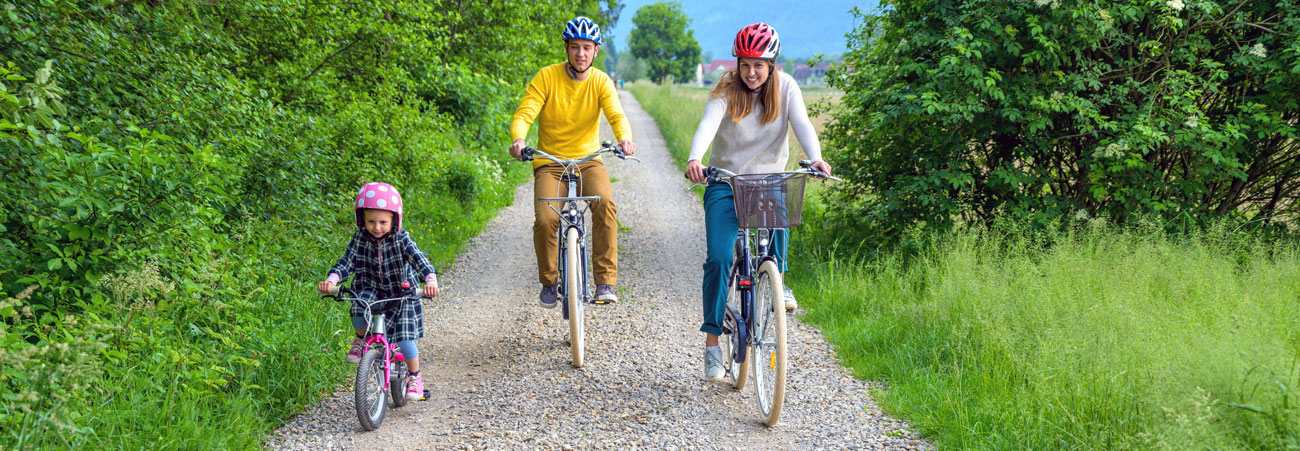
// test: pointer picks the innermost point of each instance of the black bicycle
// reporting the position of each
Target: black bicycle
(754, 321)
(574, 286)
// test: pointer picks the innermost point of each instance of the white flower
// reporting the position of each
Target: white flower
(1081, 215)
(1193, 121)
(1176, 5)
(1259, 50)
(1057, 96)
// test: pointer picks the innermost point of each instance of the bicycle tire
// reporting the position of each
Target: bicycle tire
(769, 359)
(368, 391)
(737, 371)
(397, 384)
(573, 290)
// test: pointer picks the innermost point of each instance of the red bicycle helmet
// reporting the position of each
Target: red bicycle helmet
(757, 41)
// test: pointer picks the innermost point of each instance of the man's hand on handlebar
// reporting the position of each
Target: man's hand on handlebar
(517, 149)
(629, 147)
(695, 171)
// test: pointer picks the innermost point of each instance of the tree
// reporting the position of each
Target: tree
(631, 68)
(662, 38)
(962, 112)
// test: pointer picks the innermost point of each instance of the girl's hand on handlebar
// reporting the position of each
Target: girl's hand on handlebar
(629, 147)
(517, 149)
(695, 171)
(325, 287)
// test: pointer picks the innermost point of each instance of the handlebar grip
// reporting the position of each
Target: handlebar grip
(335, 289)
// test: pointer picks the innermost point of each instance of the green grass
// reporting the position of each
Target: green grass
(1105, 340)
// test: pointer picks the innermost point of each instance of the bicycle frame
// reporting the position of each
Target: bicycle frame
(376, 324)
(743, 265)
(572, 216)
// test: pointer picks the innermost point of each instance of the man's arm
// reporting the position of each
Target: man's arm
(613, 109)
(529, 107)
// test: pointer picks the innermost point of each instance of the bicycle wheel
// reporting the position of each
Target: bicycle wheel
(737, 371)
(573, 290)
(368, 393)
(397, 383)
(769, 359)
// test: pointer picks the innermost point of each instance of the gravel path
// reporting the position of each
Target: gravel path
(498, 365)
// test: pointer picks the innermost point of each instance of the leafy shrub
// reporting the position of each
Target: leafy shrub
(961, 112)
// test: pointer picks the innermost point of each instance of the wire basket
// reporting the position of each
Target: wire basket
(768, 201)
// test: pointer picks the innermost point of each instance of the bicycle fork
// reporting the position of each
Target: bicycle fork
(742, 278)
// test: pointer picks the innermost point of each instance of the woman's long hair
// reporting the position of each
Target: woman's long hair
(740, 103)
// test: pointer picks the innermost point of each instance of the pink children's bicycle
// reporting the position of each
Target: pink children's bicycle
(382, 367)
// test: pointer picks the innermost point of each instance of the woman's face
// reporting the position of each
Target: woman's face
(581, 52)
(754, 72)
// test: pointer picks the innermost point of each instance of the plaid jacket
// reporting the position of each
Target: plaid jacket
(379, 266)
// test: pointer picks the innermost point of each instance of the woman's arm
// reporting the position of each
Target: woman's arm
(714, 111)
(803, 128)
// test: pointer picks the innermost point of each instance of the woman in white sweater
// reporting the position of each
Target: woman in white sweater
(746, 121)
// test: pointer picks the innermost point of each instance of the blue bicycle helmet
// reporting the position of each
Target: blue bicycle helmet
(582, 28)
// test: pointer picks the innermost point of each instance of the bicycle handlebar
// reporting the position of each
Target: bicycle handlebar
(717, 174)
(528, 153)
(341, 293)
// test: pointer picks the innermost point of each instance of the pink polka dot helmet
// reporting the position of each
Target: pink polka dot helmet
(379, 196)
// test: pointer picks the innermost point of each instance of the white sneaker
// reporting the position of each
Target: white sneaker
(713, 370)
(790, 304)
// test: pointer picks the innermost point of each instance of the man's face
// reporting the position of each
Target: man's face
(582, 53)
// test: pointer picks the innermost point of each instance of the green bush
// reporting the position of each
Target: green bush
(177, 175)
(962, 112)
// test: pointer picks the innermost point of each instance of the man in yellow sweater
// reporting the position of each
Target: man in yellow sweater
(566, 100)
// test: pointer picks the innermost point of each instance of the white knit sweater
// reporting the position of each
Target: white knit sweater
(748, 147)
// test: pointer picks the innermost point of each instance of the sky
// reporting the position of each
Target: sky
(805, 26)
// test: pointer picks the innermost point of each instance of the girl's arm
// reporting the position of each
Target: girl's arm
(419, 261)
(343, 268)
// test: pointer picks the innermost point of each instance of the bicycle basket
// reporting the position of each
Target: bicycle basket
(768, 201)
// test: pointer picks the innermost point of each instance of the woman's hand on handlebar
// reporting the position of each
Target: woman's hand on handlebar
(517, 149)
(325, 287)
(629, 147)
(695, 171)
(822, 166)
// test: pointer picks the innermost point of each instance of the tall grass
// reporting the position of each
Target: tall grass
(1107, 339)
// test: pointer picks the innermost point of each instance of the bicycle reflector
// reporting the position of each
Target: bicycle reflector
(745, 282)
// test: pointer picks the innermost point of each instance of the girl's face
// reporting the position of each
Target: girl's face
(754, 72)
(582, 53)
(378, 222)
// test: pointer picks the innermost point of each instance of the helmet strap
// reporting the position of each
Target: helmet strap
(573, 72)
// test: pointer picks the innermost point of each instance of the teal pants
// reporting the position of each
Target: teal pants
(720, 228)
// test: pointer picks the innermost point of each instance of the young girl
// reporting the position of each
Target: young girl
(383, 258)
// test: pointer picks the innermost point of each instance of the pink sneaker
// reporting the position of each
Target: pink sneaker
(354, 354)
(415, 387)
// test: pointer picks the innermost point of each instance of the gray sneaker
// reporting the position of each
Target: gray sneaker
(713, 370)
(790, 304)
(606, 294)
(547, 298)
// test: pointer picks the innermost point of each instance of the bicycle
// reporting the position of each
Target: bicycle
(382, 365)
(574, 285)
(754, 320)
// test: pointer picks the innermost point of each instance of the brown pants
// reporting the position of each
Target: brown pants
(604, 222)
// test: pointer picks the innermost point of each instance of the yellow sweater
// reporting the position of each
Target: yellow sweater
(568, 112)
